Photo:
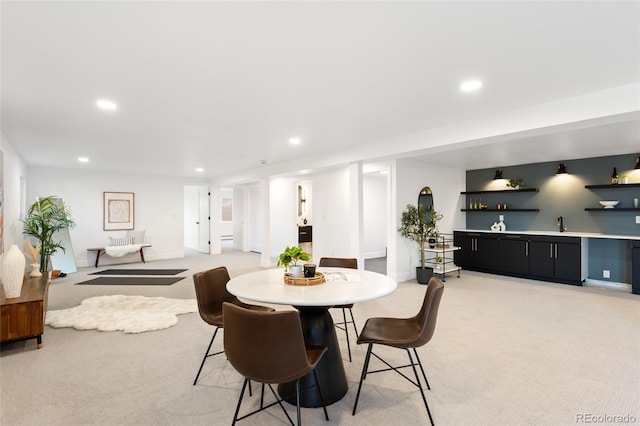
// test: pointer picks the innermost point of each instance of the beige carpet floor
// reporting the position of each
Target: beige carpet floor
(505, 352)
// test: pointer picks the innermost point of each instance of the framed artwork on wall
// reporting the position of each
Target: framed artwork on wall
(226, 206)
(118, 211)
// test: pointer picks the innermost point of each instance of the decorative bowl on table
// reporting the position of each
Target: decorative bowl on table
(608, 204)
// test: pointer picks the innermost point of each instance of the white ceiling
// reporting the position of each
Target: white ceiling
(223, 85)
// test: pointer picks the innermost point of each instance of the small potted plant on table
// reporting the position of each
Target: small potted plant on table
(419, 225)
(293, 255)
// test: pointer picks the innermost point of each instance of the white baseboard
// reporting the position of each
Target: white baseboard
(607, 284)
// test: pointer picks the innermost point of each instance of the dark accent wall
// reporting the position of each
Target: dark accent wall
(566, 196)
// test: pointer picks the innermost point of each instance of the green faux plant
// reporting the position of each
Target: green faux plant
(44, 218)
(292, 255)
(418, 224)
(515, 183)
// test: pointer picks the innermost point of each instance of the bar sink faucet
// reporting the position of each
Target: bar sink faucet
(561, 224)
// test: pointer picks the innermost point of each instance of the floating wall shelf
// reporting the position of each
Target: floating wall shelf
(616, 209)
(500, 210)
(615, 185)
(502, 190)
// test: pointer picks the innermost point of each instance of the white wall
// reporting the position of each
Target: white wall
(255, 219)
(331, 236)
(446, 185)
(158, 208)
(284, 212)
(191, 216)
(14, 169)
(375, 215)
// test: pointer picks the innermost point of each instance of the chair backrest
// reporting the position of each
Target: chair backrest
(428, 314)
(267, 347)
(211, 293)
(339, 262)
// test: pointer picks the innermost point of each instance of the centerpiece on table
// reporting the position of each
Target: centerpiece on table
(293, 272)
(420, 225)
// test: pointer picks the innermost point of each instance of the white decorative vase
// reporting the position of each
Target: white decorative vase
(295, 271)
(13, 263)
(35, 270)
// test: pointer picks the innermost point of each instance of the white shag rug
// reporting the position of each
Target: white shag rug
(131, 314)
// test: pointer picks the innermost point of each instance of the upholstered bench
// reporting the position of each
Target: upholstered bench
(119, 247)
(101, 250)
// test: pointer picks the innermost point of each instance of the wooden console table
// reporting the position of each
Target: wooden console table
(101, 250)
(23, 317)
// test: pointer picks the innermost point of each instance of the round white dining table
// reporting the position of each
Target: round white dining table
(343, 286)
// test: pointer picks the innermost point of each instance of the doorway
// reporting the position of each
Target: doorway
(197, 218)
(375, 199)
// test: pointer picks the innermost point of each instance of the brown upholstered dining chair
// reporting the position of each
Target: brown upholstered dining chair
(211, 293)
(343, 262)
(269, 348)
(403, 333)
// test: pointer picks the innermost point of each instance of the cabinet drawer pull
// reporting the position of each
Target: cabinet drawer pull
(526, 249)
(556, 250)
(551, 250)
(515, 237)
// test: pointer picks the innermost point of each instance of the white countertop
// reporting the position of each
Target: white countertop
(559, 234)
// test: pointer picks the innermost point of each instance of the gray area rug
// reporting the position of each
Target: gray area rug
(139, 272)
(132, 281)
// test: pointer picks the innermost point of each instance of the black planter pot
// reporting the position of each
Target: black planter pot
(424, 275)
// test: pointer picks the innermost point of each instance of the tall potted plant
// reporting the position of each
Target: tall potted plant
(418, 224)
(44, 218)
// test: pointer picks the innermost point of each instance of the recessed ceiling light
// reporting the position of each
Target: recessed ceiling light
(83, 159)
(294, 141)
(199, 170)
(106, 105)
(470, 85)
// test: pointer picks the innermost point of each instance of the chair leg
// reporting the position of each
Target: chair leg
(365, 368)
(324, 405)
(424, 398)
(279, 402)
(421, 368)
(346, 330)
(298, 400)
(353, 321)
(261, 395)
(206, 355)
(235, 416)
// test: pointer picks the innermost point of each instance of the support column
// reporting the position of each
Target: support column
(265, 200)
(356, 237)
